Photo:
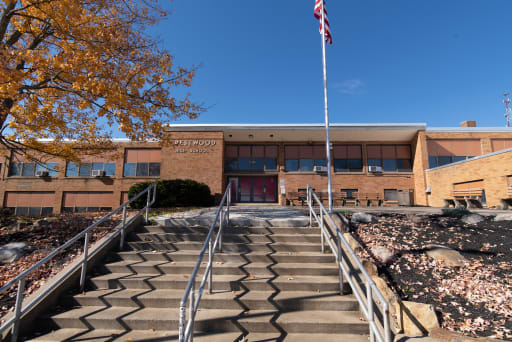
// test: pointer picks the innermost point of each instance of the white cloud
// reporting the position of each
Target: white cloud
(350, 87)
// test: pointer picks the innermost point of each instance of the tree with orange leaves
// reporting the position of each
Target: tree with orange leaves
(72, 71)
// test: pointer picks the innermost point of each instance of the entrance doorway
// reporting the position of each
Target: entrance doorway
(253, 189)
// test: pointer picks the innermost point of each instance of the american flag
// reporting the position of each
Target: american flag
(318, 15)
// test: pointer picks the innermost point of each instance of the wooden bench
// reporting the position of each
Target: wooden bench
(469, 198)
(299, 197)
(368, 199)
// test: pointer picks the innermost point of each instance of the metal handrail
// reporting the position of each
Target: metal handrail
(186, 330)
(20, 279)
(367, 304)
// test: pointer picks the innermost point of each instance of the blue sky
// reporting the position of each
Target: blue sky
(434, 61)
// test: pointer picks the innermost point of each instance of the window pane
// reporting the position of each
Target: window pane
(389, 164)
(85, 170)
(404, 165)
(244, 163)
(21, 210)
(292, 164)
(340, 165)
(432, 162)
(52, 172)
(374, 162)
(72, 170)
(258, 163)
(110, 169)
(34, 211)
(15, 169)
(390, 195)
(46, 210)
(28, 169)
(443, 160)
(142, 169)
(355, 165)
(271, 163)
(97, 166)
(154, 169)
(231, 164)
(350, 193)
(306, 165)
(320, 162)
(458, 158)
(129, 169)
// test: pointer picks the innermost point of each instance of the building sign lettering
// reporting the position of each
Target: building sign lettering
(196, 145)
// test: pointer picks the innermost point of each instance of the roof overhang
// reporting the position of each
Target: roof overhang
(306, 132)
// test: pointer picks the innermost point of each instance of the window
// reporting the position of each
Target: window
(347, 158)
(86, 201)
(390, 195)
(304, 158)
(443, 152)
(250, 158)
(350, 193)
(32, 203)
(21, 169)
(501, 144)
(85, 169)
(392, 158)
(142, 162)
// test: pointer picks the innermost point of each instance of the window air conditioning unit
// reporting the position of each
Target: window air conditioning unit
(375, 169)
(320, 169)
(98, 173)
(41, 173)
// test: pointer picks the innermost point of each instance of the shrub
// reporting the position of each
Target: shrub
(173, 193)
(457, 212)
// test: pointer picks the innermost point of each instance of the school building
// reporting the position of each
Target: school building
(372, 164)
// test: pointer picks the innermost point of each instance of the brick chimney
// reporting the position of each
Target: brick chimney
(468, 123)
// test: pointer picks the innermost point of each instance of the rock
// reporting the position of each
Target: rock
(353, 243)
(11, 252)
(448, 256)
(361, 217)
(341, 221)
(443, 335)
(382, 254)
(503, 217)
(40, 223)
(472, 219)
(391, 298)
(417, 319)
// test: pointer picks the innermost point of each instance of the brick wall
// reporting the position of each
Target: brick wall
(492, 169)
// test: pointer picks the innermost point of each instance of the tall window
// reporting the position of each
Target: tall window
(442, 152)
(85, 169)
(142, 162)
(33, 203)
(86, 201)
(251, 158)
(304, 158)
(22, 169)
(347, 158)
(392, 158)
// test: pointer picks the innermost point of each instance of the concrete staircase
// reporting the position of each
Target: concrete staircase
(270, 284)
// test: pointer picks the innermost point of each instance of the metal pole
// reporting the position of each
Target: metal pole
(326, 109)
(340, 260)
(322, 229)
(147, 203)
(191, 313)
(121, 240)
(220, 230)
(370, 309)
(210, 263)
(183, 316)
(17, 310)
(310, 204)
(84, 262)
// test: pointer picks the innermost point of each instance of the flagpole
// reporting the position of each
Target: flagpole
(326, 109)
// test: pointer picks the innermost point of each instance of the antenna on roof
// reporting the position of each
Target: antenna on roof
(508, 114)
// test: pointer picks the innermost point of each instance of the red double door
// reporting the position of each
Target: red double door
(254, 189)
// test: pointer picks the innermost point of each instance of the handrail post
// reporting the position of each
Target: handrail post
(183, 315)
(191, 313)
(229, 200)
(210, 263)
(340, 260)
(121, 239)
(17, 310)
(220, 230)
(369, 296)
(310, 204)
(154, 192)
(84, 262)
(322, 229)
(147, 203)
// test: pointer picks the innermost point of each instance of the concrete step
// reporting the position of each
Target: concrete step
(228, 238)
(98, 335)
(244, 300)
(277, 257)
(219, 268)
(220, 282)
(231, 230)
(128, 318)
(226, 247)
